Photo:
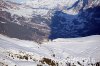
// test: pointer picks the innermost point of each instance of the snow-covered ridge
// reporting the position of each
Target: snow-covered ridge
(67, 6)
(63, 51)
(50, 4)
(83, 39)
(37, 7)
(16, 9)
(44, 7)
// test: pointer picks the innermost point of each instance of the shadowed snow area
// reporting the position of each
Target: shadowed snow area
(86, 23)
(61, 51)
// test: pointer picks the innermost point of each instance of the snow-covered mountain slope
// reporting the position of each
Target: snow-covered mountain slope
(60, 52)
(70, 26)
(52, 4)
(29, 8)
(40, 20)
(22, 21)
(67, 6)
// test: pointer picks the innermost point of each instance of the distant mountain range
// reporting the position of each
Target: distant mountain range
(41, 20)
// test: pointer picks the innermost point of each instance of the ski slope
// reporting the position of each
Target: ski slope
(15, 52)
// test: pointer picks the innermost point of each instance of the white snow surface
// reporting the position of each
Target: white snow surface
(50, 4)
(30, 8)
(65, 50)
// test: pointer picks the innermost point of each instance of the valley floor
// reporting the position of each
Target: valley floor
(60, 52)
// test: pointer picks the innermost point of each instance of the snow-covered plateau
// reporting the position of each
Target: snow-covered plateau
(60, 52)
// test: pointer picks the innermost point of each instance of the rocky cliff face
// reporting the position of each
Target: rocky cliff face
(42, 20)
